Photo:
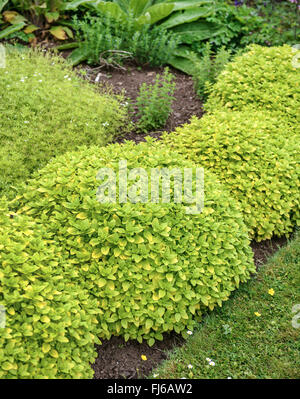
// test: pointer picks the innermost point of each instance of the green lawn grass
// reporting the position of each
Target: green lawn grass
(243, 344)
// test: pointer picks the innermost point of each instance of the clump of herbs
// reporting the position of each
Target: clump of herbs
(103, 38)
(154, 102)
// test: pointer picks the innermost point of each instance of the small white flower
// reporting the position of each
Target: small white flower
(66, 76)
(208, 359)
(40, 80)
(183, 378)
(26, 121)
(229, 378)
(105, 124)
(190, 366)
(212, 363)
(155, 375)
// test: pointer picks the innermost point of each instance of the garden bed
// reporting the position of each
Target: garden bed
(128, 82)
(117, 358)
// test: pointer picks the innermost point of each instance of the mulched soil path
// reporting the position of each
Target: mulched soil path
(118, 359)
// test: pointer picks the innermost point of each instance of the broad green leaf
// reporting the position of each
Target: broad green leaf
(11, 29)
(13, 17)
(137, 7)
(112, 9)
(158, 12)
(187, 16)
(67, 46)
(185, 5)
(58, 32)
(51, 16)
(77, 56)
(3, 4)
(74, 5)
(196, 31)
(31, 29)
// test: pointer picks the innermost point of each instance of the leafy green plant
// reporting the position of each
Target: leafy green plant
(186, 20)
(280, 23)
(208, 69)
(154, 102)
(216, 22)
(103, 37)
(50, 320)
(249, 153)
(153, 267)
(32, 16)
(47, 110)
(263, 77)
(144, 12)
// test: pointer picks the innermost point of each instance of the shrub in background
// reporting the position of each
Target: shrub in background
(154, 102)
(46, 110)
(153, 267)
(262, 78)
(103, 37)
(249, 153)
(50, 320)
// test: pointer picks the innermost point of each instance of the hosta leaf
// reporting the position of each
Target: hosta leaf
(58, 32)
(156, 13)
(31, 29)
(3, 4)
(187, 16)
(13, 17)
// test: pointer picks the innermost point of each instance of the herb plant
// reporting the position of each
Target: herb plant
(103, 37)
(152, 266)
(154, 102)
(47, 110)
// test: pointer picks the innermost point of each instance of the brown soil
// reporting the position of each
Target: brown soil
(264, 249)
(128, 82)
